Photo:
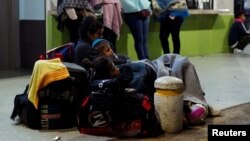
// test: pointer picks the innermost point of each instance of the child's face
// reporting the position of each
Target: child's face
(107, 50)
(105, 68)
(243, 17)
(114, 71)
(97, 34)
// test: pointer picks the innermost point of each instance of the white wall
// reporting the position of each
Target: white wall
(51, 5)
(32, 10)
(224, 4)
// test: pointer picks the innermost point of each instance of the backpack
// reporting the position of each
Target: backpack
(56, 108)
(65, 52)
(118, 112)
(58, 102)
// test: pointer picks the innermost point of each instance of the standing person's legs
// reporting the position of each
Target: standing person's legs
(145, 24)
(109, 35)
(135, 25)
(175, 28)
(164, 34)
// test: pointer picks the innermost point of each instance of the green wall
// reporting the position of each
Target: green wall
(54, 36)
(201, 34)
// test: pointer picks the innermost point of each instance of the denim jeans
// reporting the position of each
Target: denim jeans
(139, 28)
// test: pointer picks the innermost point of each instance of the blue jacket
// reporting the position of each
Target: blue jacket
(131, 6)
(173, 8)
(164, 4)
(237, 31)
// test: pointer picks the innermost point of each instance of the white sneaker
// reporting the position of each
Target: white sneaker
(238, 51)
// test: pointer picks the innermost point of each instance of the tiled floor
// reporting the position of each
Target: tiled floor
(225, 78)
(14, 73)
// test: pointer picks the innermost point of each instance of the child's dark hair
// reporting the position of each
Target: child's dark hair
(89, 25)
(102, 65)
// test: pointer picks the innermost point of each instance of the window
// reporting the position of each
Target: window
(200, 4)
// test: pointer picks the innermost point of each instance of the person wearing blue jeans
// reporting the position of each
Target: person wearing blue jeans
(136, 15)
(139, 29)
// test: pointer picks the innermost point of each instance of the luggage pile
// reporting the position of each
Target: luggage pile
(58, 102)
(75, 100)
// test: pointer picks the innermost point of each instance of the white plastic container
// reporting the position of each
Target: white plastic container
(168, 100)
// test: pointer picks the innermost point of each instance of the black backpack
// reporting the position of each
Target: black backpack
(123, 113)
(58, 102)
(56, 108)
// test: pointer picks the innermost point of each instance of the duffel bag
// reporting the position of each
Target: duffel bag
(127, 114)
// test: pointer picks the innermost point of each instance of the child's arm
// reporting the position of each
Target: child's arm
(244, 30)
(121, 59)
(71, 12)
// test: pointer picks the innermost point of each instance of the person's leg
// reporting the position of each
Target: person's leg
(197, 113)
(73, 26)
(243, 41)
(109, 35)
(176, 27)
(145, 26)
(135, 25)
(164, 34)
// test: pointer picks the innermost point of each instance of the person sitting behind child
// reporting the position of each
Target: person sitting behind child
(239, 35)
(104, 48)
